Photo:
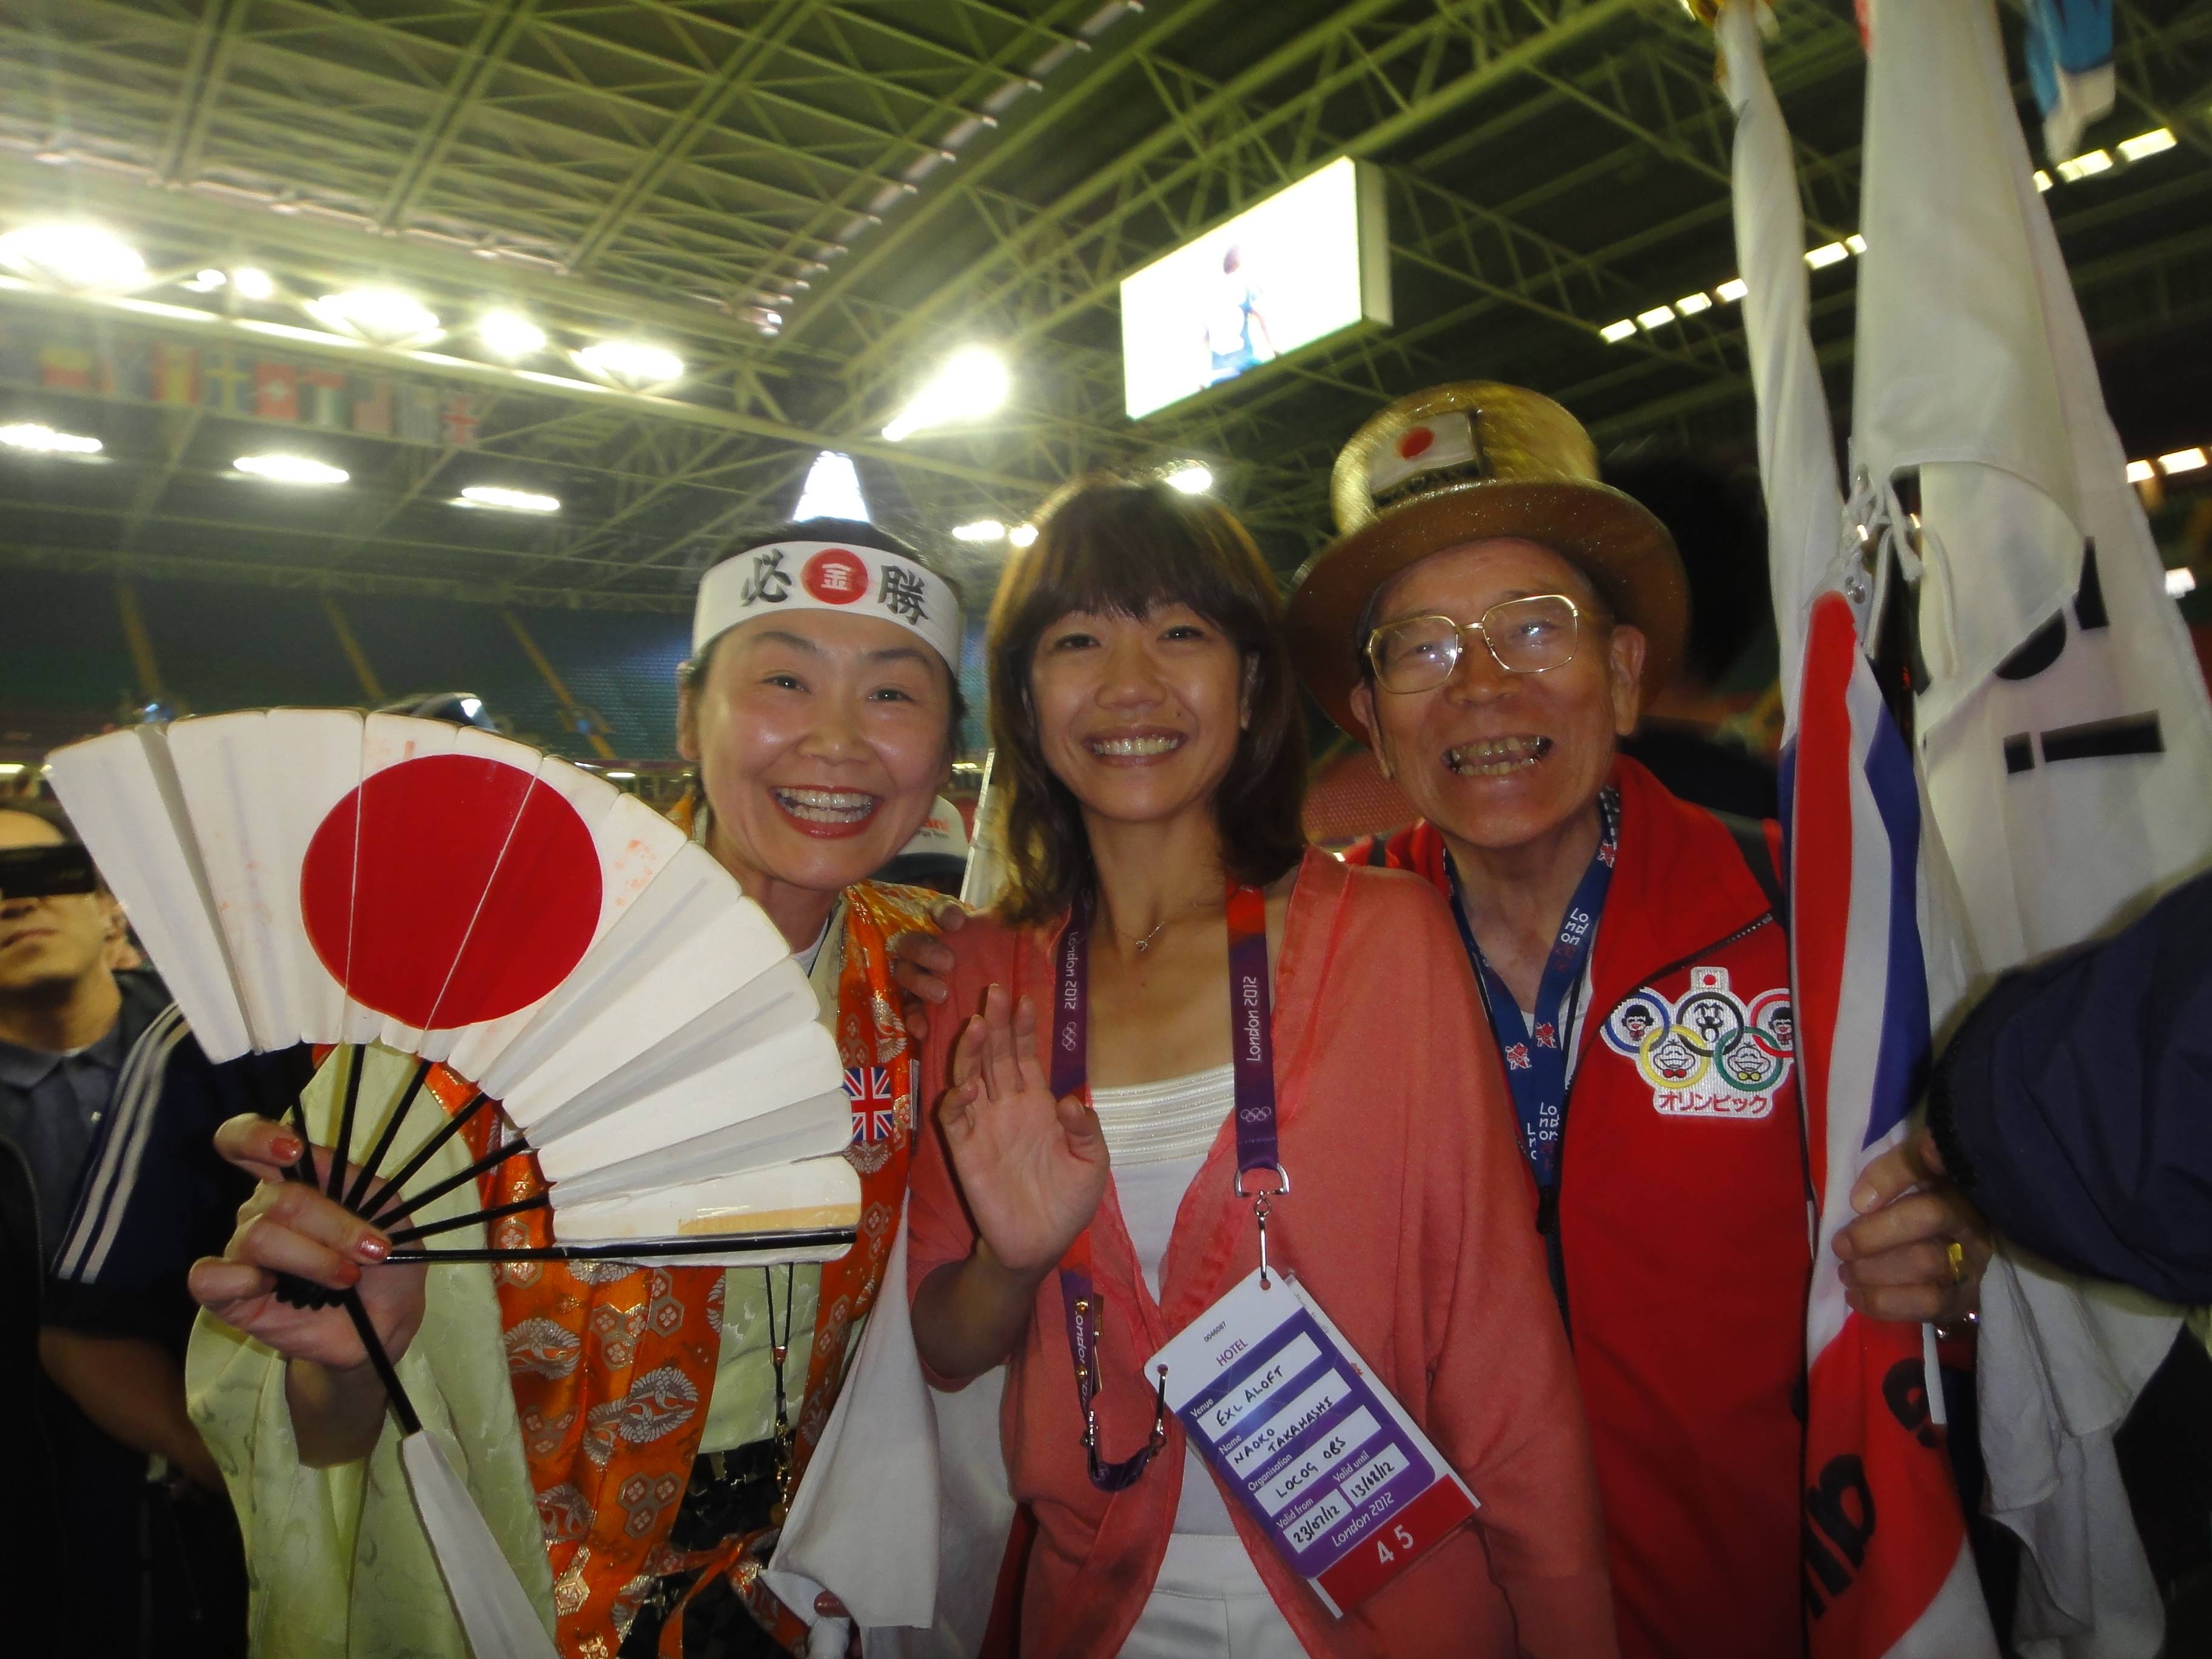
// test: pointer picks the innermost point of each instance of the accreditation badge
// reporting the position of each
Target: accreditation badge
(1317, 1451)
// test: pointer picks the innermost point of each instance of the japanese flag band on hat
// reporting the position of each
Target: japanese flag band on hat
(852, 577)
(1464, 463)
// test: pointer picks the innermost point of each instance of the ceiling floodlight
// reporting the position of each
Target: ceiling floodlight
(1614, 333)
(982, 530)
(1022, 535)
(1657, 317)
(1691, 304)
(832, 489)
(383, 315)
(971, 383)
(73, 255)
(290, 469)
(1732, 290)
(45, 441)
(509, 334)
(252, 282)
(1828, 254)
(2154, 142)
(632, 363)
(510, 501)
(2140, 472)
(619, 774)
(2181, 460)
(1191, 478)
(206, 282)
(471, 707)
(2180, 582)
(1855, 243)
(2042, 181)
(2087, 165)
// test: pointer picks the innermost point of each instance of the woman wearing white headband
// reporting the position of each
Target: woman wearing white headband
(649, 1425)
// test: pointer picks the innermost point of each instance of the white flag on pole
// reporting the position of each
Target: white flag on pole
(1796, 449)
(2062, 728)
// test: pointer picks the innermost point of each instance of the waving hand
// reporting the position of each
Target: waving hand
(1032, 1168)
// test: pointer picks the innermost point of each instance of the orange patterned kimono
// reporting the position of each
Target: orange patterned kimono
(612, 1367)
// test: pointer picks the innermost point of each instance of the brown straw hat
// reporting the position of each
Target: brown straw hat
(1464, 463)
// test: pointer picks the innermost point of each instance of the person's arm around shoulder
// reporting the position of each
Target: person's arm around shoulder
(924, 962)
(1504, 1405)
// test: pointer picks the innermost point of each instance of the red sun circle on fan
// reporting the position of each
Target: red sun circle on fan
(1416, 442)
(450, 889)
(836, 576)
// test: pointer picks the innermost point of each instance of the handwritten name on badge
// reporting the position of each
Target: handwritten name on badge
(1338, 1444)
(1344, 1485)
(1300, 1415)
(1289, 1363)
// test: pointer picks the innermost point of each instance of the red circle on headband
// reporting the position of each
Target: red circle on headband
(836, 576)
(1416, 442)
(449, 890)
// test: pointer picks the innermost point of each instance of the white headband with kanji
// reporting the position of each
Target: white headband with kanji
(858, 581)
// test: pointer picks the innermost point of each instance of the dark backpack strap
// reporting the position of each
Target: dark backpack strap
(1378, 856)
(1750, 837)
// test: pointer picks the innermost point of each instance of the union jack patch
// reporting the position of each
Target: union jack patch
(874, 1104)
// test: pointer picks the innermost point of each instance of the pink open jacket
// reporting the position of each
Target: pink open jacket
(1407, 1219)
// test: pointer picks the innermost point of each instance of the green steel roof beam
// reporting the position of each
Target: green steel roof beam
(481, 60)
(1089, 289)
(213, 42)
(1015, 138)
(707, 107)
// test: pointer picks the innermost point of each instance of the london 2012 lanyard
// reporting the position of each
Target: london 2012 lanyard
(1535, 1055)
(1253, 1071)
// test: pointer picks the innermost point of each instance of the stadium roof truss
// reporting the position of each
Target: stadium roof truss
(811, 203)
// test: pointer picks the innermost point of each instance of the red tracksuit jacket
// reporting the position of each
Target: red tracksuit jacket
(1681, 1230)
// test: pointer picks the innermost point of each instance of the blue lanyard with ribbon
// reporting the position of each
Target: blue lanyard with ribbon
(1535, 1052)
(1252, 1058)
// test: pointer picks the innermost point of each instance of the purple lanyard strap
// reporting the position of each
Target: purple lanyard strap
(1253, 1069)
(1535, 1052)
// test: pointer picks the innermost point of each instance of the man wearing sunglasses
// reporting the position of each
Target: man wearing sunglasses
(1490, 621)
(101, 1087)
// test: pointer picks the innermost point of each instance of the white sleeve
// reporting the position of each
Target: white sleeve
(904, 1510)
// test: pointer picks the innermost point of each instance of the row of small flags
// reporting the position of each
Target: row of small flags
(230, 382)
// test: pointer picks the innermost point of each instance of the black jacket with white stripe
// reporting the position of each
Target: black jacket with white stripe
(152, 1198)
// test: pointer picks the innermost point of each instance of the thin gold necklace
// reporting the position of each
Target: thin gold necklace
(1146, 943)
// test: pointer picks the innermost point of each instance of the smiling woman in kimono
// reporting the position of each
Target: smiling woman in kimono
(821, 704)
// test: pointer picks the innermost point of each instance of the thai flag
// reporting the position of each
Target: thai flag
(1887, 1569)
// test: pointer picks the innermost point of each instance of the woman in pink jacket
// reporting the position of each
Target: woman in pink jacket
(1150, 747)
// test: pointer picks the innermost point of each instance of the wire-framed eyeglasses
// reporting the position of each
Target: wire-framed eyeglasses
(1530, 636)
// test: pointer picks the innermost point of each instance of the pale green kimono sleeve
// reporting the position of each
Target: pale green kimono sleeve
(336, 1560)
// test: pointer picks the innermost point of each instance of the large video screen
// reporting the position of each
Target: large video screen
(1310, 260)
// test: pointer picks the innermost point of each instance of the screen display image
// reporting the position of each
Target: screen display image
(1310, 260)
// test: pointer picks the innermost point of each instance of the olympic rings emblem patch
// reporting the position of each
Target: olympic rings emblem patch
(1711, 1055)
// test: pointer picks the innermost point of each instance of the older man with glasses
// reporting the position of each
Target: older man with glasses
(1489, 620)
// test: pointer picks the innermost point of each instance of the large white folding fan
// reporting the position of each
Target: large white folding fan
(325, 876)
